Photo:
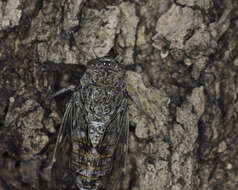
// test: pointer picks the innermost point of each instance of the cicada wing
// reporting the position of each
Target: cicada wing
(61, 174)
(115, 179)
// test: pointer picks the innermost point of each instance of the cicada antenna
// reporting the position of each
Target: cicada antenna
(95, 54)
(119, 59)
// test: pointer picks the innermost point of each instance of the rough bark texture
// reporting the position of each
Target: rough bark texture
(185, 57)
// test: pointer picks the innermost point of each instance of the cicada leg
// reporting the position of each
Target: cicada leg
(63, 90)
(139, 106)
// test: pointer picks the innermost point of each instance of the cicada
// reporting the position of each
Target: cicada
(95, 126)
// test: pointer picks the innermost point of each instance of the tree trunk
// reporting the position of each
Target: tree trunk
(184, 66)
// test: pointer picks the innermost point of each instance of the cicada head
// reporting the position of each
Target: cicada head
(104, 72)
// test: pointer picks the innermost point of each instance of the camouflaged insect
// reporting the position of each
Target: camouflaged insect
(96, 126)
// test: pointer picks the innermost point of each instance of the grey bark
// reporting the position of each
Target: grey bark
(185, 64)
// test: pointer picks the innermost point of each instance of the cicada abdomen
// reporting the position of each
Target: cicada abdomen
(96, 122)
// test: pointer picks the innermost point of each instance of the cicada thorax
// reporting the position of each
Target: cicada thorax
(95, 137)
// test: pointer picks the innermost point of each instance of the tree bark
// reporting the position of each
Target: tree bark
(184, 66)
